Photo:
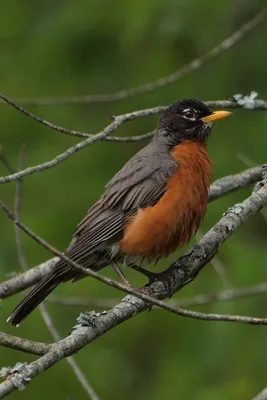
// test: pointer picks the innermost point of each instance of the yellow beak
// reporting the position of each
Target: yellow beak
(216, 115)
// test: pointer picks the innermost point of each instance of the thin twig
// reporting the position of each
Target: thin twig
(93, 325)
(17, 208)
(219, 188)
(255, 202)
(118, 120)
(159, 83)
(75, 367)
(5, 161)
(198, 300)
(218, 266)
(129, 139)
(44, 313)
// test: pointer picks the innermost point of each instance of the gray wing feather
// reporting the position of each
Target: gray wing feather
(137, 185)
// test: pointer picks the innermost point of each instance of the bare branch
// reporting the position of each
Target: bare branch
(5, 161)
(217, 265)
(25, 345)
(27, 279)
(159, 83)
(97, 137)
(198, 300)
(251, 205)
(75, 367)
(129, 139)
(229, 184)
(17, 208)
(179, 274)
(219, 188)
(117, 121)
(262, 395)
(44, 313)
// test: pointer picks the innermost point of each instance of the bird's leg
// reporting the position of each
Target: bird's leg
(120, 273)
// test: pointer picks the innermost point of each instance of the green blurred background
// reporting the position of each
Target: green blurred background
(62, 48)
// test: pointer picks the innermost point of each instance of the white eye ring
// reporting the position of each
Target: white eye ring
(189, 114)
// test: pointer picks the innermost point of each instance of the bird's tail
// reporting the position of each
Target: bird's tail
(33, 299)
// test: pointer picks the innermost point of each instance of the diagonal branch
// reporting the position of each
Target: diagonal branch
(44, 313)
(181, 272)
(219, 188)
(72, 362)
(118, 120)
(17, 208)
(262, 395)
(227, 44)
(198, 300)
(253, 204)
(29, 278)
(248, 102)
(38, 348)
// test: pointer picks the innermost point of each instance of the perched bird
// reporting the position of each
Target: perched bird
(151, 207)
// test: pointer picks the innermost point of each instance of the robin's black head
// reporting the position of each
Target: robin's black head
(187, 120)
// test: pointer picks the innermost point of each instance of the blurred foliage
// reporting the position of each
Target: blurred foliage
(57, 48)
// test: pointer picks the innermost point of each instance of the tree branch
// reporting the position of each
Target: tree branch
(38, 348)
(219, 188)
(93, 325)
(44, 313)
(17, 208)
(262, 395)
(72, 362)
(118, 120)
(198, 300)
(27, 279)
(254, 203)
(25, 345)
(159, 83)
(239, 101)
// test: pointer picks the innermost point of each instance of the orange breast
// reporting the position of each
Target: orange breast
(154, 232)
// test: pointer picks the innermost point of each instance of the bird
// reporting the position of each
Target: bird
(150, 208)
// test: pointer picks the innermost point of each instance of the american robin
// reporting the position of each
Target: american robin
(151, 207)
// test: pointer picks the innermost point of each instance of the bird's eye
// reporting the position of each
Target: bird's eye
(189, 114)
